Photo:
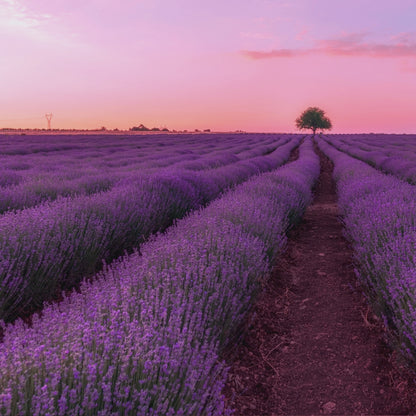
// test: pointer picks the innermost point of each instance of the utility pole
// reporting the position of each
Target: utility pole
(49, 118)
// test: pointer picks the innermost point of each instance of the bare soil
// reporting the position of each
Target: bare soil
(312, 344)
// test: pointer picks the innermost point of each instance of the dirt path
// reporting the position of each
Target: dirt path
(313, 346)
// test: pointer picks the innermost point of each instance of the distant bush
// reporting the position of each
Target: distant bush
(141, 127)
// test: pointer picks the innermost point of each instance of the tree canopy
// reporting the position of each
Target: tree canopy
(313, 118)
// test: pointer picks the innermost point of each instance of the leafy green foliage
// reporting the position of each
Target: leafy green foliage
(313, 118)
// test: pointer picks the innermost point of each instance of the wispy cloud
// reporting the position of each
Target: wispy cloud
(404, 37)
(354, 44)
(16, 16)
(20, 21)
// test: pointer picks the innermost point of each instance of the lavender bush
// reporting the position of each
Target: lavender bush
(51, 247)
(390, 153)
(47, 173)
(379, 213)
(144, 336)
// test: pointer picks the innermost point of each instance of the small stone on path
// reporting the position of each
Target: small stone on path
(328, 408)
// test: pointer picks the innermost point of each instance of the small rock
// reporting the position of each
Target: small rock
(381, 391)
(322, 254)
(328, 408)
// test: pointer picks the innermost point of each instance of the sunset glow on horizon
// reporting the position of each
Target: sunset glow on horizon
(251, 65)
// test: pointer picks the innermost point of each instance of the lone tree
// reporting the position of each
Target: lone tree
(313, 118)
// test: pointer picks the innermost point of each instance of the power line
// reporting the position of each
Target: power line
(49, 118)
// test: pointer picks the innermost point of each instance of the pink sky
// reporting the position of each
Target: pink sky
(252, 65)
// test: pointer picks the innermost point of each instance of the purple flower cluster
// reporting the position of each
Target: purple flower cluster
(394, 154)
(143, 337)
(84, 167)
(52, 246)
(379, 213)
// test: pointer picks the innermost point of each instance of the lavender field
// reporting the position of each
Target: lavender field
(393, 154)
(379, 215)
(142, 336)
(78, 202)
(129, 264)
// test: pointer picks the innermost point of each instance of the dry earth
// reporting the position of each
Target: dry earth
(312, 344)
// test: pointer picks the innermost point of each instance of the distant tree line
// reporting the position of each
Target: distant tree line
(142, 127)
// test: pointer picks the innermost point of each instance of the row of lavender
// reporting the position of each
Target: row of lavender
(96, 154)
(92, 155)
(51, 247)
(30, 179)
(379, 213)
(145, 337)
(395, 154)
(110, 144)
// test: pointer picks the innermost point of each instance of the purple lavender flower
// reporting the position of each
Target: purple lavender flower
(143, 337)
